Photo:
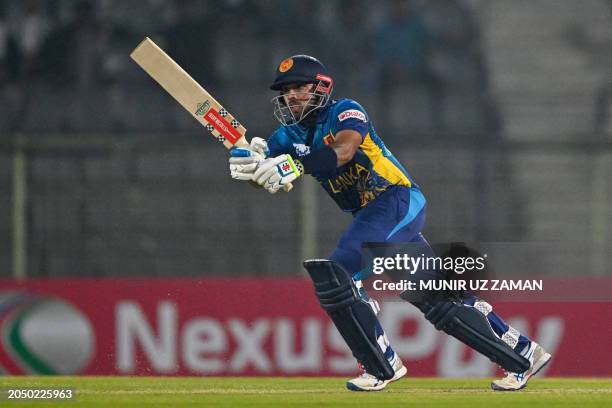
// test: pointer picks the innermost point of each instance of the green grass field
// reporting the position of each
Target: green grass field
(294, 392)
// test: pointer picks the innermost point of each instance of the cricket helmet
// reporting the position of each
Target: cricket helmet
(301, 69)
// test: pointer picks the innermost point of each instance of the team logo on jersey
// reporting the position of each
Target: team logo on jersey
(301, 149)
(352, 114)
(285, 65)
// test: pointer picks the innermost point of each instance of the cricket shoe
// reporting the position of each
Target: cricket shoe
(367, 382)
(538, 358)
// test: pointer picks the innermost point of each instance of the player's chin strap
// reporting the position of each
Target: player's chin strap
(468, 325)
(353, 317)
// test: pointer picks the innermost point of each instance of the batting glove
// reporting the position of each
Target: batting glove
(244, 160)
(275, 173)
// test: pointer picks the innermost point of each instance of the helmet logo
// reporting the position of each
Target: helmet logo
(286, 65)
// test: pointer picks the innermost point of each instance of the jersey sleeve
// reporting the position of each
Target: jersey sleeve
(350, 115)
(277, 143)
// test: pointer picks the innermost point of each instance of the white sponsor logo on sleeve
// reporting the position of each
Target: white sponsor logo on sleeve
(352, 114)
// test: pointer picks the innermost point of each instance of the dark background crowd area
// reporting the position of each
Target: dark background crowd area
(416, 66)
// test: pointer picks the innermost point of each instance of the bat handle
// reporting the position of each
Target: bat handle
(287, 187)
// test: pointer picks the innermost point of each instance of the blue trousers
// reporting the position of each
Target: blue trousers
(398, 215)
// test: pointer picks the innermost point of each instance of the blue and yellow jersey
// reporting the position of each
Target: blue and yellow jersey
(371, 171)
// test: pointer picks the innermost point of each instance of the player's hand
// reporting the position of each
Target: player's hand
(275, 173)
(244, 160)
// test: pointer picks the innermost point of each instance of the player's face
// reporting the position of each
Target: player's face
(297, 96)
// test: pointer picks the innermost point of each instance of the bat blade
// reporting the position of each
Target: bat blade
(191, 95)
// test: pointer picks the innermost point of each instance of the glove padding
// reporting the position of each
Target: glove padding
(275, 173)
(244, 160)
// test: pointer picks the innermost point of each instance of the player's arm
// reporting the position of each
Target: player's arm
(349, 136)
(274, 173)
(346, 145)
(350, 129)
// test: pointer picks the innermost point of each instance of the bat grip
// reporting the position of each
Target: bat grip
(287, 187)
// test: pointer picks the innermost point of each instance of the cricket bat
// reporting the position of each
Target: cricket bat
(191, 95)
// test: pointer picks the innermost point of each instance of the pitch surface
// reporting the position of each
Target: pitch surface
(312, 391)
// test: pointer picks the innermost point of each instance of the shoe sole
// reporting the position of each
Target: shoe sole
(399, 374)
(540, 366)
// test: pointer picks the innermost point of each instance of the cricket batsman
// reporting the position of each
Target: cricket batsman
(335, 142)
